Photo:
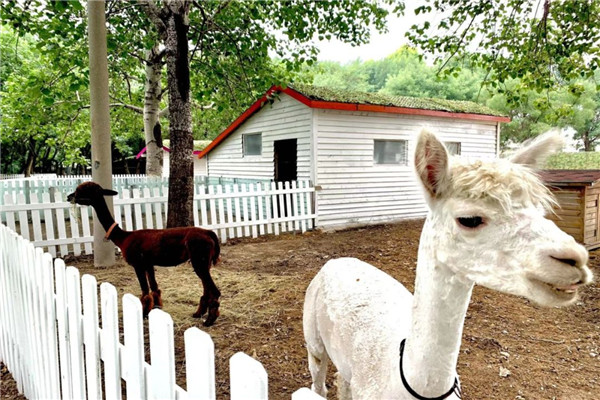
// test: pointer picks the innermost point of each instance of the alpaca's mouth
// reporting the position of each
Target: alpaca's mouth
(562, 291)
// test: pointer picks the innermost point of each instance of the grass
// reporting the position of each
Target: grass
(582, 160)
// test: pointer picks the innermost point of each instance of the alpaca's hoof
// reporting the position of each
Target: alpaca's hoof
(157, 306)
(210, 320)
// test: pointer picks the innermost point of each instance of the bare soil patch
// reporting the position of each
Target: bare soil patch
(550, 353)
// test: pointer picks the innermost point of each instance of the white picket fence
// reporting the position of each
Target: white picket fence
(55, 348)
(233, 211)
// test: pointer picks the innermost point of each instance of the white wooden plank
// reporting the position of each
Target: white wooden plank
(295, 207)
(60, 223)
(85, 224)
(137, 208)
(248, 378)
(49, 224)
(301, 205)
(162, 355)
(306, 394)
(23, 220)
(288, 203)
(75, 332)
(200, 364)
(133, 356)
(63, 329)
(238, 210)
(221, 208)
(282, 208)
(127, 211)
(275, 207)
(228, 191)
(261, 211)
(91, 336)
(203, 212)
(36, 222)
(109, 341)
(158, 210)
(74, 221)
(148, 208)
(252, 192)
(246, 216)
(51, 331)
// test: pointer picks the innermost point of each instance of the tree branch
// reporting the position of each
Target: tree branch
(153, 13)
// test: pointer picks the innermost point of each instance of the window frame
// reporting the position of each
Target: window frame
(404, 153)
(244, 144)
(459, 145)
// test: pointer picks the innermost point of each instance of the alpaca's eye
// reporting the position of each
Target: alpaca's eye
(470, 222)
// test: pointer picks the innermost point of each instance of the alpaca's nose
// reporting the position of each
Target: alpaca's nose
(70, 197)
(573, 256)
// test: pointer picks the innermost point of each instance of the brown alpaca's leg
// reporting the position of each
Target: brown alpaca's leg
(145, 298)
(156, 293)
(209, 301)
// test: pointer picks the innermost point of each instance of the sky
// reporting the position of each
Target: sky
(380, 46)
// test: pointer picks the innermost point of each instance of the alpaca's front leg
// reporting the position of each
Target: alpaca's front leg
(156, 292)
(145, 298)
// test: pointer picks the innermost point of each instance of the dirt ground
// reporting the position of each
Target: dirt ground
(511, 349)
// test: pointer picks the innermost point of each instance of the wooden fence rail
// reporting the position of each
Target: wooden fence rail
(52, 342)
(232, 210)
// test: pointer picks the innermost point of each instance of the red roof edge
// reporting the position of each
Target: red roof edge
(239, 120)
(331, 105)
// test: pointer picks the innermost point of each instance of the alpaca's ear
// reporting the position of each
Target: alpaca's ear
(431, 163)
(108, 192)
(535, 151)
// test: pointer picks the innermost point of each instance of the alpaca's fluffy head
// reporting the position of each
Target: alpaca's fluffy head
(488, 225)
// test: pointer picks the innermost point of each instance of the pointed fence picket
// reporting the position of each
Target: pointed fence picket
(235, 210)
(52, 342)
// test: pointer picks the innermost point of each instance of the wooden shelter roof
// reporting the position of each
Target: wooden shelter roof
(570, 176)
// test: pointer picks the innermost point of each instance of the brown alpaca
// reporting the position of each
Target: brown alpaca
(145, 248)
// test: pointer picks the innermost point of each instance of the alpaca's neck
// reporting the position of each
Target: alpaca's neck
(106, 219)
(439, 308)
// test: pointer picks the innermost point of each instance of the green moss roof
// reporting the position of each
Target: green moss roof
(422, 103)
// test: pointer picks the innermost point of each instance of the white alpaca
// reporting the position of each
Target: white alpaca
(486, 225)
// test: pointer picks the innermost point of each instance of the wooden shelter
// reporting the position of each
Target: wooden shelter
(578, 195)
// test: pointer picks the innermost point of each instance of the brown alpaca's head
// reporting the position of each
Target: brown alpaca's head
(88, 193)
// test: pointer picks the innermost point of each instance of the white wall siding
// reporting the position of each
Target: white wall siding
(353, 190)
(286, 118)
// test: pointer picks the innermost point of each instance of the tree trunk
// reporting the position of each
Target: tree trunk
(104, 251)
(181, 178)
(152, 128)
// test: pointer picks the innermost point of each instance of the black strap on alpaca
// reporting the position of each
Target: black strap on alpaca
(454, 389)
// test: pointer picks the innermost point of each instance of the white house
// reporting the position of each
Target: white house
(355, 147)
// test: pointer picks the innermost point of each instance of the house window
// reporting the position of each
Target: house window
(453, 148)
(390, 152)
(252, 144)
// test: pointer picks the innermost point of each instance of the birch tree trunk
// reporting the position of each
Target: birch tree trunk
(181, 177)
(152, 127)
(104, 252)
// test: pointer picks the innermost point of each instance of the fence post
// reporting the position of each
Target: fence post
(248, 378)
(306, 394)
(110, 341)
(75, 331)
(162, 355)
(133, 355)
(199, 364)
(91, 337)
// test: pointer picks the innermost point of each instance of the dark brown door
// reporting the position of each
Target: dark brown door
(285, 158)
